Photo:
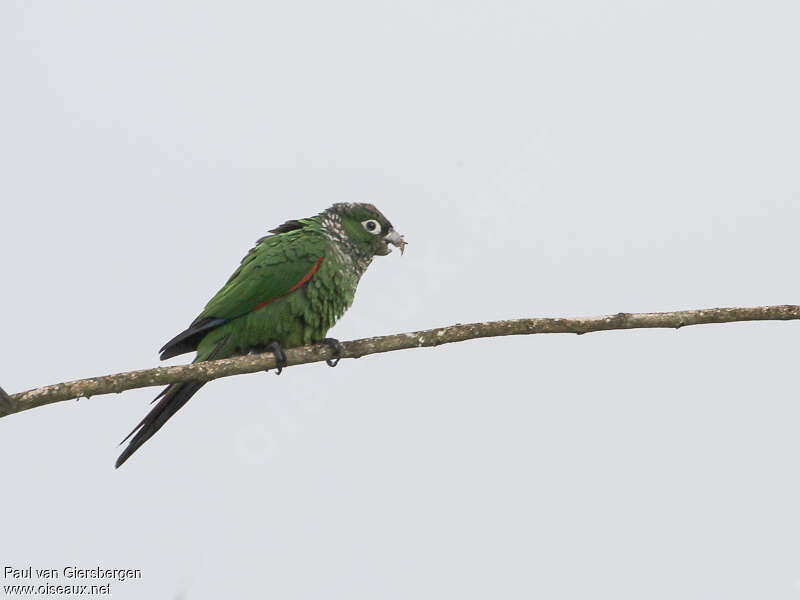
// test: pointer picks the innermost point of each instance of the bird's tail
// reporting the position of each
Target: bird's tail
(170, 401)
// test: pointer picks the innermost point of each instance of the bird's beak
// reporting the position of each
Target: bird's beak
(394, 238)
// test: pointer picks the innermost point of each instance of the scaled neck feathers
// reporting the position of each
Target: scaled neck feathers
(347, 251)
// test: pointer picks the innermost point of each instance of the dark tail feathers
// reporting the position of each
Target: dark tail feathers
(187, 341)
(172, 399)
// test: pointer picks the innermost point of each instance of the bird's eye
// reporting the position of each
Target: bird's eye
(372, 226)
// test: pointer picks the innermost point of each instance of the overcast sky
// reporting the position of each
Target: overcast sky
(542, 159)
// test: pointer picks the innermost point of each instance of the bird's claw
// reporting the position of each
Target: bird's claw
(280, 356)
(336, 346)
(5, 401)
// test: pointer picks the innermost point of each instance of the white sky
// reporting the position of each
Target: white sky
(542, 159)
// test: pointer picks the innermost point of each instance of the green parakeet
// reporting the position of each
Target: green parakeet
(289, 291)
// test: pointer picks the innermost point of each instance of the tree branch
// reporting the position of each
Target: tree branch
(206, 371)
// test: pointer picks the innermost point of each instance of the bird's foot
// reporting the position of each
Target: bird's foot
(280, 356)
(277, 350)
(336, 346)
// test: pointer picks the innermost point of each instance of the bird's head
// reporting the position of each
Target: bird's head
(365, 226)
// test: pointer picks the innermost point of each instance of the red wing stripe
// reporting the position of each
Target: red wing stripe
(307, 275)
(305, 278)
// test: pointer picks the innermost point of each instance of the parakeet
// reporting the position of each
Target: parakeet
(289, 291)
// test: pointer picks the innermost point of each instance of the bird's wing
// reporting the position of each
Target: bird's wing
(276, 266)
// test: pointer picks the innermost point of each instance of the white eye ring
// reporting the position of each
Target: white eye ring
(372, 226)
